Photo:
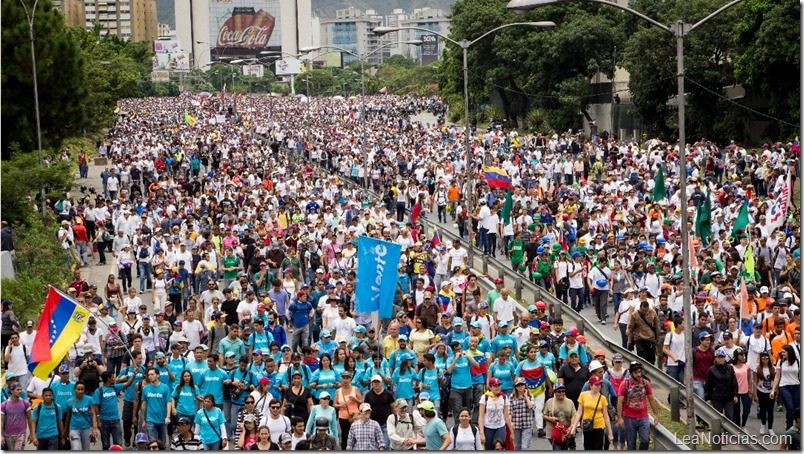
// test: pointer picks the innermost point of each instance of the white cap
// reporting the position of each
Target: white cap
(595, 365)
(763, 289)
(376, 378)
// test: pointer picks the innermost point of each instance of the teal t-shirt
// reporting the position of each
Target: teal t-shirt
(210, 422)
(247, 378)
(197, 368)
(82, 415)
(404, 384)
(184, 400)
(46, 420)
(211, 382)
(164, 376)
(235, 346)
(260, 341)
(106, 398)
(430, 378)
(505, 373)
(501, 342)
(177, 366)
(462, 374)
(156, 398)
(433, 434)
(130, 392)
(62, 393)
(327, 378)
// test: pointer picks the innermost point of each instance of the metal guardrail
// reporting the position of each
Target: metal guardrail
(664, 440)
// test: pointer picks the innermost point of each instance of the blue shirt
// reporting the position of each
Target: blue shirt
(185, 401)
(210, 422)
(326, 347)
(248, 379)
(107, 403)
(502, 341)
(156, 398)
(430, 378)
(211, 382)
(327, 378)
(164, 376)
(130, 392)
(177, 366)
(62, 393)
(404, 384)
(461, 374)
(300, 313)
(434, 434)
(47, 420)
(504, 372)
(82, 415)
(196, 369)
(260, 341)
(548, 360)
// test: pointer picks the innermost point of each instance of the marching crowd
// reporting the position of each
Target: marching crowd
(230, 320)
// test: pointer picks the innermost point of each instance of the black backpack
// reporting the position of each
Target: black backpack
(455, 433)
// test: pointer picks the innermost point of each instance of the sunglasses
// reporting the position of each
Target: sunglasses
(520, 384)
(249, 402)
(274, 408)
(324, 398)
(154, 447)
(561, 391)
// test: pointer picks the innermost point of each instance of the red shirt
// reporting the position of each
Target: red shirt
(703, 360)
(80, 233)
(635, 397)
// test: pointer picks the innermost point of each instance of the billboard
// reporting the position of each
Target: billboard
(253, 70)
(167, 47)
(429, 48)
(160, 76)
(288, 66)
(244, 24)
(171, 62)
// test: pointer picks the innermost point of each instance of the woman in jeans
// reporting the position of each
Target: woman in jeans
(592, 406)
(81, 419)
(210, 425)
(787, 384)
(744, 387)
(522, 415)
(125, 260)
(763, 386)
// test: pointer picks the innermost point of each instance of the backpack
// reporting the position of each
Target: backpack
(305, 373)
(60, 206)
(455, 433)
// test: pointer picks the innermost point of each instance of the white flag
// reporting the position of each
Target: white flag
(777, 209)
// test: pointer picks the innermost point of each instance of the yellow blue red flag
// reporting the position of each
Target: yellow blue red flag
(59, 328)
(497, 177)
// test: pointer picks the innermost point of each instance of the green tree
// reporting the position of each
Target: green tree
(60, 75)
(770, 62)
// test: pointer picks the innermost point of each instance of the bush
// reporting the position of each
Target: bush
(40, 261)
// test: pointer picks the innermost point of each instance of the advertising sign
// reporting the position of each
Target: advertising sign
(171, 62)
(288, 66)
(167, 47)
(160, 76)
(253, 70)
(245, 24)
(429, 48)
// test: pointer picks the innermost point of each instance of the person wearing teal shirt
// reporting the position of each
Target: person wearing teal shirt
(157, 405)
(461, 394)
(185, 397)
(296, 366)
(396, 355)
(81, 419)
(326, 344)
(431, 378)
(210, 425)
(198, 366)
(503, 369)
(47, 419)
(63, 389)
(377, 366)
(403, 379)
(545, 357)
(232, 343)
(166, 376)
(259, 339)
(130, 376)
(483, 344)
(242, 382)
(502, 340)
(211, 380)
(257, 367)
(108, 411)
(436, 435)
(176, 363)
(324, 379)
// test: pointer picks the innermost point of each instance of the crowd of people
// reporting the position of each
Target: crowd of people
(230, 319)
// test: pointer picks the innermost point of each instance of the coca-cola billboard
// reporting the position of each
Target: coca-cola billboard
(244, 24)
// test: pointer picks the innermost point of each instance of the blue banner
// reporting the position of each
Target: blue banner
(377, 270)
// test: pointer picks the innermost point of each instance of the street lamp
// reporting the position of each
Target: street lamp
(464, 45)
(679, 30)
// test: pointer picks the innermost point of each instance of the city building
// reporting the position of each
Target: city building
(127, 19)
(351, 29)
(218, 30)
(165, 31)
(436, 20)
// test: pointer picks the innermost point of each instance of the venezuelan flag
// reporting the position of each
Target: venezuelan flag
(436, 238)
(497, 177)
(480, 358)
(534, 378)
(59, 327)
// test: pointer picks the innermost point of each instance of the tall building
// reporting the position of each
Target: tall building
(235, 29)
(431, 19)
(127, 19)
(393, 20)
(351, 29)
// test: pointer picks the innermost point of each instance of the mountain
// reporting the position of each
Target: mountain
(326, 8)
(166, 13)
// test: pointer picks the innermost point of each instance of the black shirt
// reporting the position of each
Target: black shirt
(573, 380)
(229, 307)
(380, 405)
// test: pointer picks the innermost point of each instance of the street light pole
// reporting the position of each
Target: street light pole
(680, 30)
(30, 16)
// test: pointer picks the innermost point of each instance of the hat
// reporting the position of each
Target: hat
(118, 447)
(401, 403)
(88, 349)
(476, 325)
(284, 347)
(141, 438)
(457, 321)
(264, 381)
(364, 406)
(763, 289)
(376, 377)
(617, 358)
(426, 406)
(727, 335)
(403, 337)
(146, 317)
(360, 329)
(29, 323)
(721, 353)
(401, 314)
(599, 353)
(285, 438)
(595, 365)
(177, 323)
(498, 281)
(64, 369)
(227, 355)
(558, 386)
(595, 380)
(324, 394)
(162, 354)
(494, 381)
(325, 333)
(519, 381)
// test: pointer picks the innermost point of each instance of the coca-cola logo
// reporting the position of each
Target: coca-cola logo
(251, 36)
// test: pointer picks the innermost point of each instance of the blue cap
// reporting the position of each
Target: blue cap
(576, 254)
(10, 375)
(619, 237)
(141, 438)
(649, 248)
(329, 286)
(660, 240)
(558, 386)
(325, 333)
(229, 355)
(476, 325)
(542, 343)
(146, 317)
(641, 244)
(403, 337)
(704, 334)
(360, 329)
(424, 395)
(721, 353)
(258, 352)
(531, 308)
(203, 347)
(160, 354)
(546, 239)
(64, 369)
(540, 250)
(457, 321)
(285, 346)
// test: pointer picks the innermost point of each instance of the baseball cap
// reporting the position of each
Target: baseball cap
(595, 380)
(703, 335)
(617, 358)
(116, 447)
(457, 321)
(426, 405)
(476, 325)
(141, 438)
(403, 337)
(720, 353)
(364, 406)
(183, 420)
(401, 403)
(229, 355)
(162, 354)
(284, 438)
(494, 382)
(498, 281)
(360, 329)
(324, 394)
(264, 381)
(376, 378)
(29, 323)
(325, 333)
(64, 369)
(558, 386)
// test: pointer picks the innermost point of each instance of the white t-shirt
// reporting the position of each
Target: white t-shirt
(192, 330)
(27, 339)
(277, 426)
(577, 280)
(466, 440)
(458, 255)
(789, 374)
(245, 305)
(504, 309)
(494, 416)
(675, 342)
(344, 327)
(18, 364)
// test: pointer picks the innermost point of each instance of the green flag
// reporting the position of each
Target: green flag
(659, 191)
(508, 205)
(703, 220)
(741, 221)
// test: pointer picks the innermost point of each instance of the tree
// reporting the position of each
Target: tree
(60, 75)
(768, 37)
